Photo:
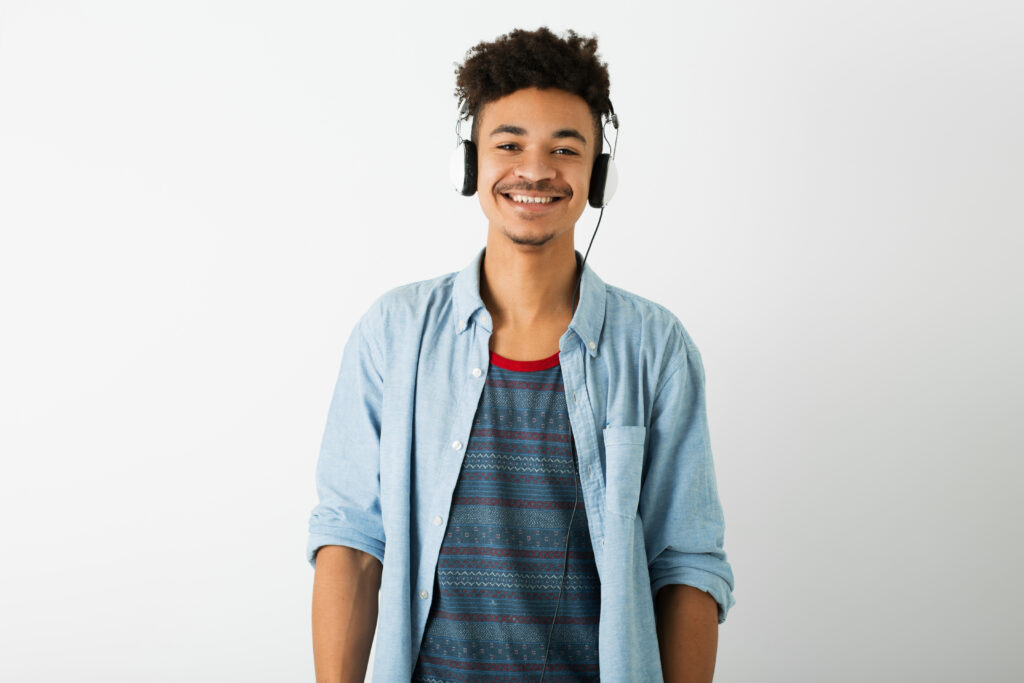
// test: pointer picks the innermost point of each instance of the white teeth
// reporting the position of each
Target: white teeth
(531, 200)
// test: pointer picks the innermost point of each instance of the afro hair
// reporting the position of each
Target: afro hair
(534, 59)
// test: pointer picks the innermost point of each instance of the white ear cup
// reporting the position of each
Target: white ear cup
(611, 182)
(457, 167)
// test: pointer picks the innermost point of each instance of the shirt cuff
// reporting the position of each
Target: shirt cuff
(708, 582)
(321, 536)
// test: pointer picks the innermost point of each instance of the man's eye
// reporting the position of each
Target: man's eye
(507, 145)
(565, 150)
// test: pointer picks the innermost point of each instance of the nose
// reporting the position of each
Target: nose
(534, 166)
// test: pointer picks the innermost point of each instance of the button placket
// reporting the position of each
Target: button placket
(579, 409)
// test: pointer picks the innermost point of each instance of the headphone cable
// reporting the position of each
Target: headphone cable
(575, 471)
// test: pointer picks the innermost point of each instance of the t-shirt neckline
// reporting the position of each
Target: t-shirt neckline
(525, 365)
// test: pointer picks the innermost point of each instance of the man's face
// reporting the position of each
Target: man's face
(535, 153)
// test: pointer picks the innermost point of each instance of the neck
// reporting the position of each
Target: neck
(526, 287)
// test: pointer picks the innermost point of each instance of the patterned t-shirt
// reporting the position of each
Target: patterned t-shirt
(499, 571)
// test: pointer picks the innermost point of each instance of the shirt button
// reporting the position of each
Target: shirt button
(477, 372)
(592, 345)
(462, 325)
(424, 594)
(437, 521)
(457, 445)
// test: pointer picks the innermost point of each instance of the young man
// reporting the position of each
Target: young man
(522, 469)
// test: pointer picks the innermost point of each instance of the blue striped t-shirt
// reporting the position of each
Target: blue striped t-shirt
(498, 574)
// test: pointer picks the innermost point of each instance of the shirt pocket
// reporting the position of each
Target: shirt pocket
(623, 457)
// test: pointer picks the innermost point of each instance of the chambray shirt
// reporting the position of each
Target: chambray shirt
(411, 378)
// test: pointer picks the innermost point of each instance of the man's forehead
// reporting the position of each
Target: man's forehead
(534, 111)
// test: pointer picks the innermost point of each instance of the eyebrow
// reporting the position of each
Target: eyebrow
(562, 133)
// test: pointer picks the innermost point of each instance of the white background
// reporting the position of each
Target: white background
(199, 198)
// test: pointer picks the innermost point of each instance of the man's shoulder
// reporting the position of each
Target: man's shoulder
(410, 300)
(625, 309)
(416, 293)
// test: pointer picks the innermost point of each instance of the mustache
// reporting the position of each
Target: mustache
(534, 187)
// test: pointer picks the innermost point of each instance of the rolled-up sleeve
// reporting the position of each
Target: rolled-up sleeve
(684, 527)
(348, 467)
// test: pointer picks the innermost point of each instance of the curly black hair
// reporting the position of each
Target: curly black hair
(538, 59)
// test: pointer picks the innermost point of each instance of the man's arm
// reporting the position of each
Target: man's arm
(345, 588)
(684, 526)
(346, 533)
(687, 626)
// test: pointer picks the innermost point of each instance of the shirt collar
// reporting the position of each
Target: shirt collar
(586, 322)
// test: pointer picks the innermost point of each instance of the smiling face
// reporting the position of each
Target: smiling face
(535, 152)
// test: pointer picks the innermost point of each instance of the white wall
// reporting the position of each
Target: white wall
(198, 199)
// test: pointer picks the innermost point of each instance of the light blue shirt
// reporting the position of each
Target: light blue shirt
(412, 374)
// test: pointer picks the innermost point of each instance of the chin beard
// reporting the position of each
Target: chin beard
(528, 240)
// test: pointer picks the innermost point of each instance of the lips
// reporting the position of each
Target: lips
(531, 202)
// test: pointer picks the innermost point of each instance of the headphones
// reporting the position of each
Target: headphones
(604, 177)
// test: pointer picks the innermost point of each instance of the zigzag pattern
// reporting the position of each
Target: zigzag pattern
(477, 579)
(504, 462)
